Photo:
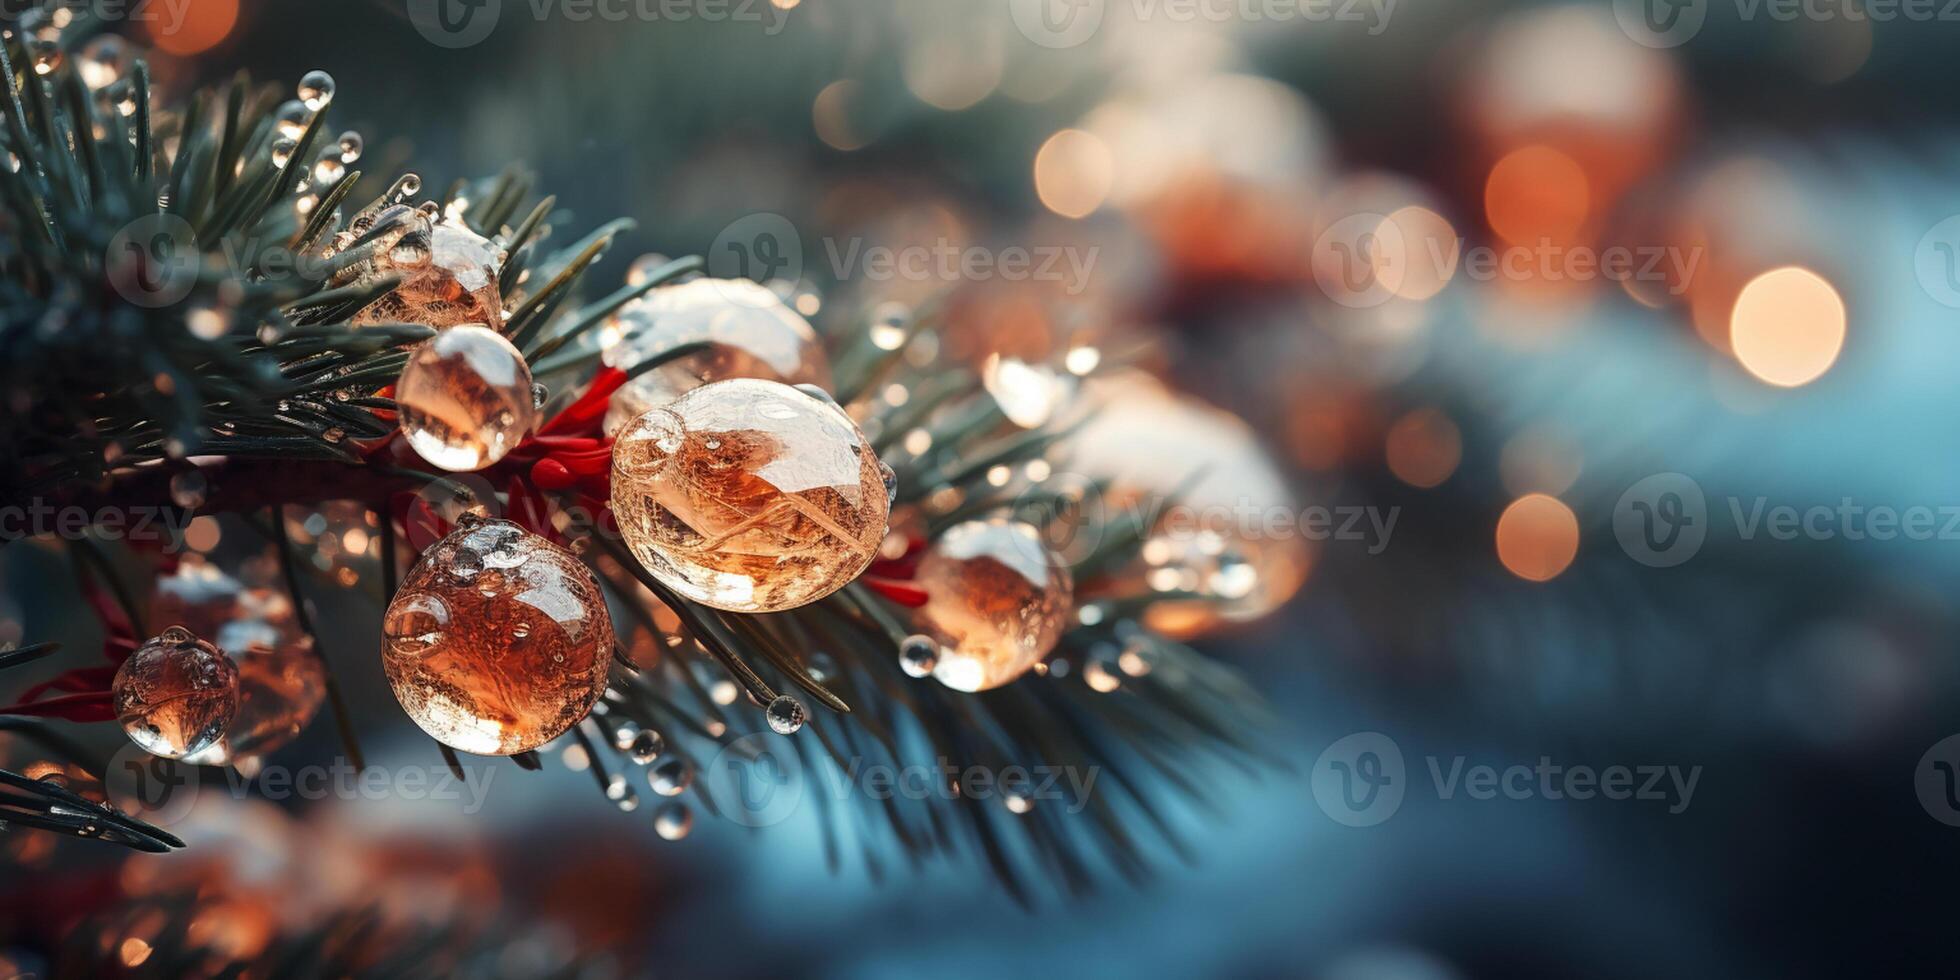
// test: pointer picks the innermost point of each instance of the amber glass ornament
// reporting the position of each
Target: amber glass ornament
(498, 640)
(999, 599)
(281, 681)
(175, 695)
(465, 398)
(448, 272)
(749, 495)
(751, 333)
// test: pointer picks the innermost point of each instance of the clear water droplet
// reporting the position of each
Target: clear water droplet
(282, 151)
(918, 655)
(616, 788)
(670, 777)
(290, 121)
(316, 89)
(539, 395)
(350, 146)
(786, 715)
(673, 821)
(624, 735)
(1099, 668)
(187, 489)
(646, 747)
(890, 477)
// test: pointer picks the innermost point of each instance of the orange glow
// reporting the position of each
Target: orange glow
(134, 951)
(1788, 326)
(1428, 253)
(204, 23)
(1537, 192)
(1072, 173)
(1423, 448)
(1537, 537)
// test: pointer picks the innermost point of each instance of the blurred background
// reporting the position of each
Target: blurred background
(1577, 295)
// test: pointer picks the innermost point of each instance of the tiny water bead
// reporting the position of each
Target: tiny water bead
(918, 655)
(748, 330)
(175, 695)
(188, 488)
(646, 746)
(316, 89)
(281, 680)
(673, 821)
(1000, 598)
(464, 399)
(749, 495)
(350, 146)
(104, 60)
(786, 715)
(290, 121)
(670, 777)
(498, 641)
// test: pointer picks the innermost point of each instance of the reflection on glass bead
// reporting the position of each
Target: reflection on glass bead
(786, 715)
(918, 655)
(750, 334)
(646, 746)
(749, 495)
(449, 274)
(673, 821)
(175, 695)
(670, 777)
(999, 598)
(281, 681)
(465, 398)
(498, 641)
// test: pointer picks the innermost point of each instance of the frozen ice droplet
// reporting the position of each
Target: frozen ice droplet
(671, 777)
(918, 655)
(673, 821)
(316, 89)
(786, 715)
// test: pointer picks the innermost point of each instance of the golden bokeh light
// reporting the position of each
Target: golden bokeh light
(1537, 537)
(201, 26)
(1537, 192)
(1423, 448)
(1788, 326)
(1072, 173)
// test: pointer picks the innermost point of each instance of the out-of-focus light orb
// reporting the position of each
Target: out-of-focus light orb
(1073, 172)
(1537, 537)
(1788, 326)
(831, 115)
(1028, 394)
(199, 27)
(1538, 461)
(1151, 447)
(955, 69)
(1423, 448)
(1537, 192)
(1429, 245)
